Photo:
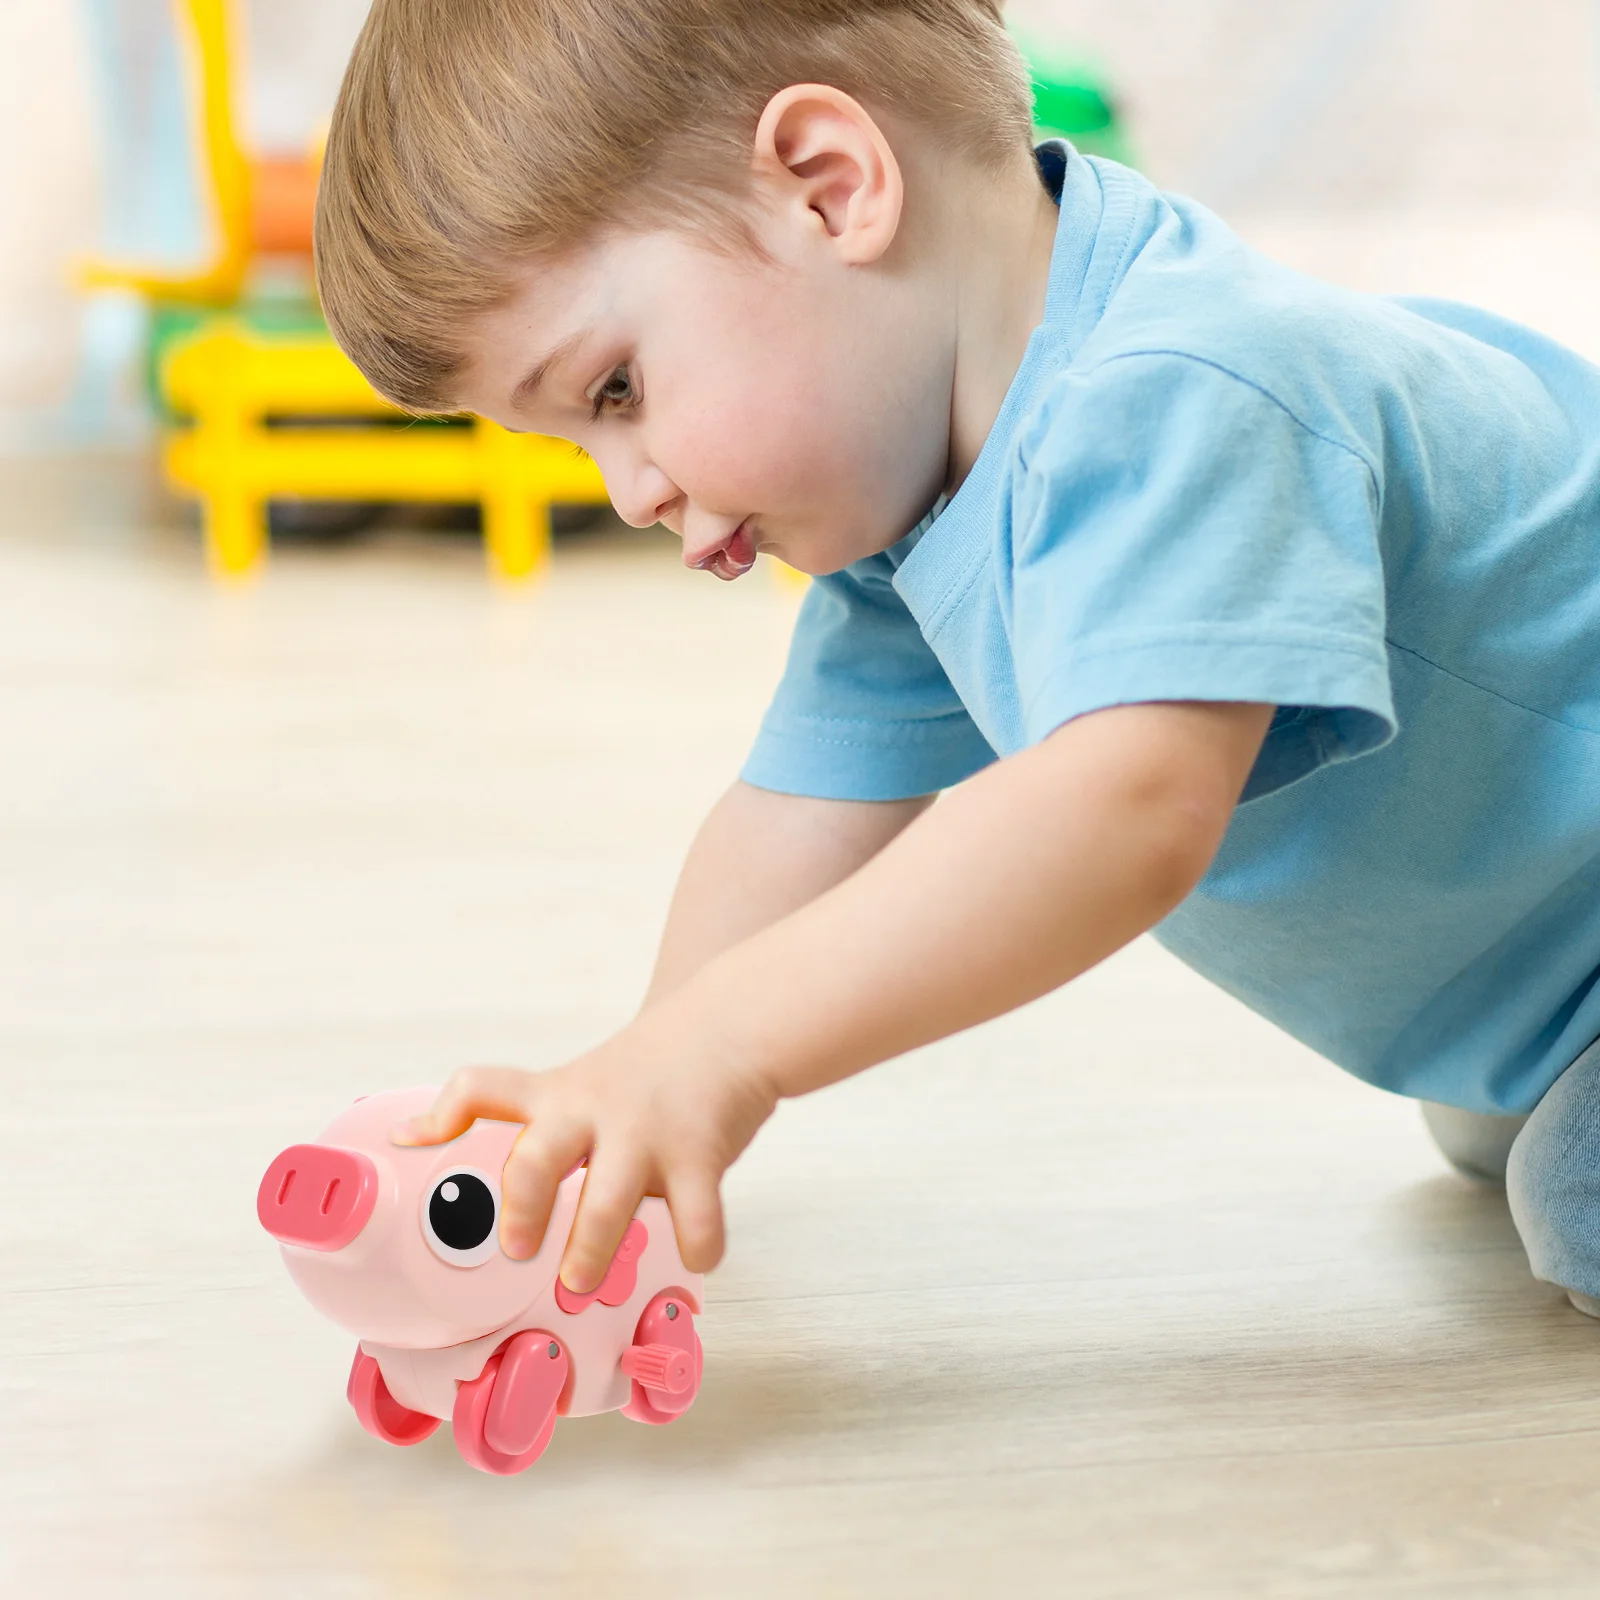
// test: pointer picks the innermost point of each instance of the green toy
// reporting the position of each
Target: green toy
(1070, 101)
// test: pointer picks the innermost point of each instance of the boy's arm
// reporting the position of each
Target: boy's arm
(1027, 875)
(758, 856)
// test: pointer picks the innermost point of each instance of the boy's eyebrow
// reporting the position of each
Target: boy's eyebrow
(529, 386)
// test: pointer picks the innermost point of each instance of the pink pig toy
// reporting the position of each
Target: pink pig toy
(401, 1247)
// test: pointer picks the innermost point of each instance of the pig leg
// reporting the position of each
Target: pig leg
(664, 1361)
(503, 1419)
(378, 1411)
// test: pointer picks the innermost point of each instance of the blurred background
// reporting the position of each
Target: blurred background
(101, 154)
(1225, 1327)
(1446, 145)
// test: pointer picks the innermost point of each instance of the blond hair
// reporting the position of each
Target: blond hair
(473, 135)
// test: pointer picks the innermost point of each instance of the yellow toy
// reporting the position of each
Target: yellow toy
(231, 381)
(261, 415)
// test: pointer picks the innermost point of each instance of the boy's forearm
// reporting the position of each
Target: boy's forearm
(1030, 874)
(758, 857)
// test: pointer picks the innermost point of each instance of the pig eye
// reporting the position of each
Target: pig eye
(459, 1214)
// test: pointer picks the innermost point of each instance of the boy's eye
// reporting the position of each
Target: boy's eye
(616, 393)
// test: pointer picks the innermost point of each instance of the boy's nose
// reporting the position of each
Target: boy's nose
(644, 496)
(647, 511)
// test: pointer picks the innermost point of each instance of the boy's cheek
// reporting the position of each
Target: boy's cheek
(826, 482)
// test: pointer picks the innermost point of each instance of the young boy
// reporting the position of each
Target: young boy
(1221, 602)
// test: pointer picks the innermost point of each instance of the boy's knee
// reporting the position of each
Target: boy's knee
(1553, 1180)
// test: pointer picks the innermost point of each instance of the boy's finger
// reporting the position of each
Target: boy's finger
(612, 1190)
(695, 1202)
(539, 1161)
(501, 1093)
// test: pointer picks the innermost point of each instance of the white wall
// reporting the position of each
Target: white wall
(297, 53)
(1350, 106)
(1446, 147)
(47, 196)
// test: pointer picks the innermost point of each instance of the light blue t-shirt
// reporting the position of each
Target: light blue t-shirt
(1214, 479)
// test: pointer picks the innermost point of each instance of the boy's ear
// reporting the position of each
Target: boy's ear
(827, 155)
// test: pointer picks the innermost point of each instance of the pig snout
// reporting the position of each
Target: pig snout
(317, 1196)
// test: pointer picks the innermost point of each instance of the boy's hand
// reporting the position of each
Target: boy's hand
(650, 1113)
(1027, 875)
(653, 1116)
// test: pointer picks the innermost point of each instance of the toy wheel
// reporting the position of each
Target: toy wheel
(667, 1325)
(504, 1418)
(378, 1411)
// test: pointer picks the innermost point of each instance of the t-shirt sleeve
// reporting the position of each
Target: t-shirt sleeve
(1180, 535)
(864, 710)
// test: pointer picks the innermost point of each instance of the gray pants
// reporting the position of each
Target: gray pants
(1549, 1162)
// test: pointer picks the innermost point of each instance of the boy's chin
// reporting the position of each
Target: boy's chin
(833, 551)
(815, 566)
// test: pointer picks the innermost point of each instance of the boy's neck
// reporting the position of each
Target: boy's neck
(998, 238)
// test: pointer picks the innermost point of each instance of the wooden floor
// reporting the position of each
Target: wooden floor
(1124, 1296)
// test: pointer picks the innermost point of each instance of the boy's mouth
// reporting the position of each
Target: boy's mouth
(732, 557)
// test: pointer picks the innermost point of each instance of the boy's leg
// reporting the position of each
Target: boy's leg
(1473, 1143)
(1553, 1183)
